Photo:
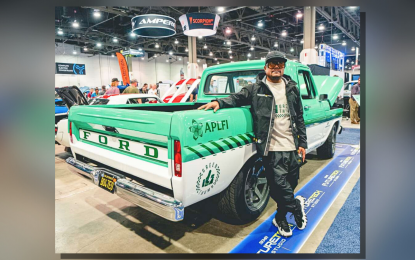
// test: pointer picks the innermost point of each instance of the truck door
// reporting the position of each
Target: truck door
(314, 111)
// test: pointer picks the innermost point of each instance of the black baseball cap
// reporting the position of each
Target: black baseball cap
(114, 79)
(277, 55)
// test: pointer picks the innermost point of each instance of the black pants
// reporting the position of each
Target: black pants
(282, 171)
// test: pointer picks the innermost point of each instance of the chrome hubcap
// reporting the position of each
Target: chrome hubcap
(256, 186)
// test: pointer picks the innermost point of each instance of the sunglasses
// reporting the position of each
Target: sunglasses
(276, 64)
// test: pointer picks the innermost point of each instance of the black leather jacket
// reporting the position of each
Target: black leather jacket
(260, 97)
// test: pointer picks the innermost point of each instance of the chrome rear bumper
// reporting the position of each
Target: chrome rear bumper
(153, 201)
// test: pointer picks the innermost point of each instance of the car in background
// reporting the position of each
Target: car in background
(73, 96)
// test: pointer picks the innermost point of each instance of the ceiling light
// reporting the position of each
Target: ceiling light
(230, 51)
(252, 48)
(75, 24)
(205, 47)
(216, 58)
(228, 42)
(302, 41)
(352, 62)
(97, 14)
(112, 55)
(217, 63)
(142, 58)
(249, 54)
(247, 59)
(315, 47)
(347, 60)
(60, 32)
(321, 27)
(187, 50)
(85, 49)
(139, 49)
(155, 55)
(344, 43)
(276, 44)
(292, 50)
(115, 40)
(180, 58)
(284, 33)
(167, 60)
(221, 9)
(299, 14)
(230, 57)
(200, 37)
(260, 24)
(198, 60)
(176, 41)
(133, 34)
(74, 52)
(353, 48)
(157, 45)
(99, 44)
(228, 30)
(170, 53)
(335, 37)
(210, 54)
(253, 38)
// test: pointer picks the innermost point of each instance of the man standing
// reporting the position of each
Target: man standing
(153, 89)
(280, 135)
(114, 87)
(132, 89)
(353, 104)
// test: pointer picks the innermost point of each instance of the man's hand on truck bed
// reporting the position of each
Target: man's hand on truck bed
(212, 105)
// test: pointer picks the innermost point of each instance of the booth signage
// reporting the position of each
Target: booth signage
(199, 24)
(70, 68)
(135, 53)
(153, 25)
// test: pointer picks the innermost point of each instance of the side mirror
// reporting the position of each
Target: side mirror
(323, 97)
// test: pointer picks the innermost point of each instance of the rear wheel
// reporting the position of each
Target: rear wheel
(327, 150)
(247, 195)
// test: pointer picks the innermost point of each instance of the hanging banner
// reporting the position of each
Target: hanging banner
(199, 24)
(70, 68)
(153, 25)
(124, 68)
(133, 52)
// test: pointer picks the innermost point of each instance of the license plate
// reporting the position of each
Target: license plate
(107, 182)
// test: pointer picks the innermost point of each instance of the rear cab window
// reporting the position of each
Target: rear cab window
(230, 82)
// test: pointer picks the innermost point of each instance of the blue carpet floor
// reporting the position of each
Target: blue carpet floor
(344, 234)
(349, 136)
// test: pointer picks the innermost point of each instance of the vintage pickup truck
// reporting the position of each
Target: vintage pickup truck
(165, 157)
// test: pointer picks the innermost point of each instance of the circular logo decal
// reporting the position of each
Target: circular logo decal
(208, 177)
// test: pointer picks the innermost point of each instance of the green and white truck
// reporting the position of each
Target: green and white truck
(166, 157)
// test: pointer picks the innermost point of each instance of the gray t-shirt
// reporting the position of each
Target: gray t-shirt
(281, 136)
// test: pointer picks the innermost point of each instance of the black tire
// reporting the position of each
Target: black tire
(68, 149)
(327, 150)
(233, 203)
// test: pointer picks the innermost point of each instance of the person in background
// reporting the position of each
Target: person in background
(103, 90)
(144, 89)
(132, 89)
(354, 117)
(212, 87)
(91, 91)
(153, 89)
(114, 87)
(96, 93)
(193, 95)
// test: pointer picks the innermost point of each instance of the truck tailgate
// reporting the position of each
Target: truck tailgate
(133, 141)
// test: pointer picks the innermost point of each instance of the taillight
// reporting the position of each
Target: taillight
(70, 131)
(177, 159)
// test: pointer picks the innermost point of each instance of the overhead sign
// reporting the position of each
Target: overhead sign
(199, 24)
(133, 52)
(153, 25)
(124, 68)
(70, 68)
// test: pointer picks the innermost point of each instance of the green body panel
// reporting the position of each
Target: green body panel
(206, 133)
(330, 86)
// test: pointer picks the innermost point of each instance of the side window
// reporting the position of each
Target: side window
(306, 86)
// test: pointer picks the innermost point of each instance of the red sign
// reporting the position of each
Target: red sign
(123, 68)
